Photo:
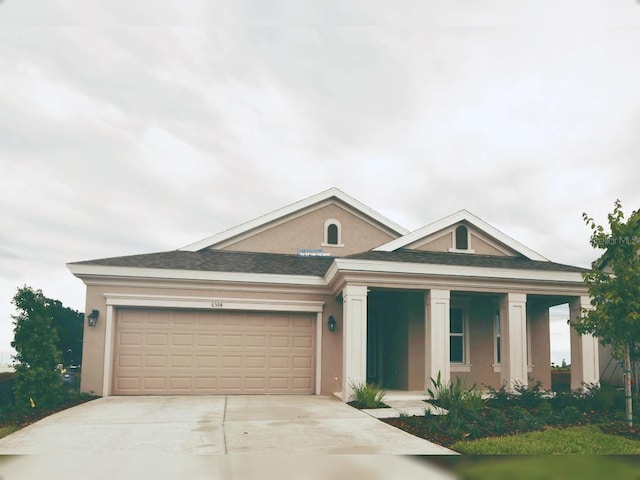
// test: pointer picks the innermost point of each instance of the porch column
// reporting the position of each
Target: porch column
(585, 363)
(354, 338)
(436, 335)
(513, 343)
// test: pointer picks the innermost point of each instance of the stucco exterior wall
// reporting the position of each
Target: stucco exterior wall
(482, 342)
(540, 354)
(438, 244)
(94, 337)
(442, 241)
(307, 231)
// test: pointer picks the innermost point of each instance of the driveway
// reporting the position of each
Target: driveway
(238, 424)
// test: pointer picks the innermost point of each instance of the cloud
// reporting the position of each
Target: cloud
(125, 129)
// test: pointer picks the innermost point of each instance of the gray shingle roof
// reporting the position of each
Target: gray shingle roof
(221, 261)
(464, 259)
(274, 263)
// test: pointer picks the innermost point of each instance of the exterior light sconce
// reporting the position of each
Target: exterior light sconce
(331, 323)
(92, 318)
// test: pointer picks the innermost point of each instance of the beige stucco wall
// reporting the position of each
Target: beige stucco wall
(307, 231)
(442, 241)
(538, 317)
(94, 337)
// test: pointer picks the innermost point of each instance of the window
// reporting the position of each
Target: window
(332, 233)
(497, 348)
(462, 238)
(456, 336)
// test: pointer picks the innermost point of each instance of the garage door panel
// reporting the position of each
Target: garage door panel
(187, 352)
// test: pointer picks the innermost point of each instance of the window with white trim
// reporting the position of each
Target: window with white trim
(332, 233)
(456, 335)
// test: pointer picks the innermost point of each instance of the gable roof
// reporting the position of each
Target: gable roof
(462, 215)
(291, 209)
(216, 261)
(463, 260)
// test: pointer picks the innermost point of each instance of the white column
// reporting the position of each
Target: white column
(513, 335)
(354, 338)
(585, 363)
(436, 348)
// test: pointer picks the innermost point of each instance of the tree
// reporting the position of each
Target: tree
(69, 325)
(614, 287)
(37, 382)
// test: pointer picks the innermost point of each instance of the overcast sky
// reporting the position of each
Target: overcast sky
(128, 130)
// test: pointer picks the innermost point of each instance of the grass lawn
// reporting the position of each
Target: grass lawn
(539, 468)
(582, 440)
(8, 429)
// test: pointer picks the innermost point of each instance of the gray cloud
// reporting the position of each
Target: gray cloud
(127, 130)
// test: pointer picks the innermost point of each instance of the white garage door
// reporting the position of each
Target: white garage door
(174, 352)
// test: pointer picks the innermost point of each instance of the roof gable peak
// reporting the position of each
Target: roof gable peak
(291, 209)
(450, 220)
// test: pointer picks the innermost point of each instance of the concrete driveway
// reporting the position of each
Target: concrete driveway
(237, 424)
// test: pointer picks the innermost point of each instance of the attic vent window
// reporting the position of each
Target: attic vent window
(462, 238)
(332, 234)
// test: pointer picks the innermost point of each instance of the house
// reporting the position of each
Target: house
(324, 293)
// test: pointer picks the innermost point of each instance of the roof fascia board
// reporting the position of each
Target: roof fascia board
(290, 209)
(344, 265)
(462, 215)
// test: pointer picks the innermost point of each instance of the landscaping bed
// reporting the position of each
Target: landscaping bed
(12, 419)
(529, 409)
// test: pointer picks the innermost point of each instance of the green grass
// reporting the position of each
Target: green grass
(544, 468)
(583, 440)
(9, 429)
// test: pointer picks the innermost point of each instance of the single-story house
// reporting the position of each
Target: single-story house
(322, 294)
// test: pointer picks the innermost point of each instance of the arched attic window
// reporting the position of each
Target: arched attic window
(332, 233)
(462, 238)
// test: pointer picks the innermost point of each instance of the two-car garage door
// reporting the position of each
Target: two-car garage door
(178, 352)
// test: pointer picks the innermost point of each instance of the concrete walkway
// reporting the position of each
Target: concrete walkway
(264, 424)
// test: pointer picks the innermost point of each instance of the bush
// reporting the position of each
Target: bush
(571, 415)
(457, 398)
(544, 413)
(522, 419)
(529, 396)
(499, 398)
(368, 395)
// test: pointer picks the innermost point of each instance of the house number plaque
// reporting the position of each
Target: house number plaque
(216, 304)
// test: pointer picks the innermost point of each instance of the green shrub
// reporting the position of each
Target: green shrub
(571, 415)
(368, 395)
(529, 396)
(522, 419)
(496, 421)
(456, 398)
(499, 398)
(544, 413)
(473, 401)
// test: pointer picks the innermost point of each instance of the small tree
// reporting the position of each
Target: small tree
(37, 382)
(614, 286)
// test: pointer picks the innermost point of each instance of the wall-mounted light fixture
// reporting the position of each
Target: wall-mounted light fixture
(331, 323)
(92, 318)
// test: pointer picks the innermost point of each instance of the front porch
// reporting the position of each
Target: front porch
(403, 338)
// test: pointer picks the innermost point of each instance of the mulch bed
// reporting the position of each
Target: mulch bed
(429, 428)
(11, 417)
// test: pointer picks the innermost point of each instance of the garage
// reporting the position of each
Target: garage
(194, 352)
